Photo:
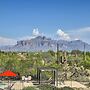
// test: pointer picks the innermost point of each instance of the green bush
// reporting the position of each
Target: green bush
(30, 88)
(46, 87)
(66, 88)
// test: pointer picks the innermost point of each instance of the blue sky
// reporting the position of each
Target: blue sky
(69, 19)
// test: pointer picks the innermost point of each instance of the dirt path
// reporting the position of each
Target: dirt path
(73, 84)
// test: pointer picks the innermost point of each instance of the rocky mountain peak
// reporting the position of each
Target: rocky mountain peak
(42, 43)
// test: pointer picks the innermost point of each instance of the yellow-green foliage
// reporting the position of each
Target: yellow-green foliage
(27, 62)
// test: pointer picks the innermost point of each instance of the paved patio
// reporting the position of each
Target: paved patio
(20, 85)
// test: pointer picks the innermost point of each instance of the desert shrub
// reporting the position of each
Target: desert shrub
(66, 88)
(30, 88)
(46, 87)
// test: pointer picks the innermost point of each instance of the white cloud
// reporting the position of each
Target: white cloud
(86, 29)
(80, 34)
(63, 35)
(7, 41)
(35, 32)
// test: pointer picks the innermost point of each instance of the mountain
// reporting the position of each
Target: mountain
(42, 43)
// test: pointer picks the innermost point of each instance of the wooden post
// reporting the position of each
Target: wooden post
(57, 53)
(84, 52)
(39, 76)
